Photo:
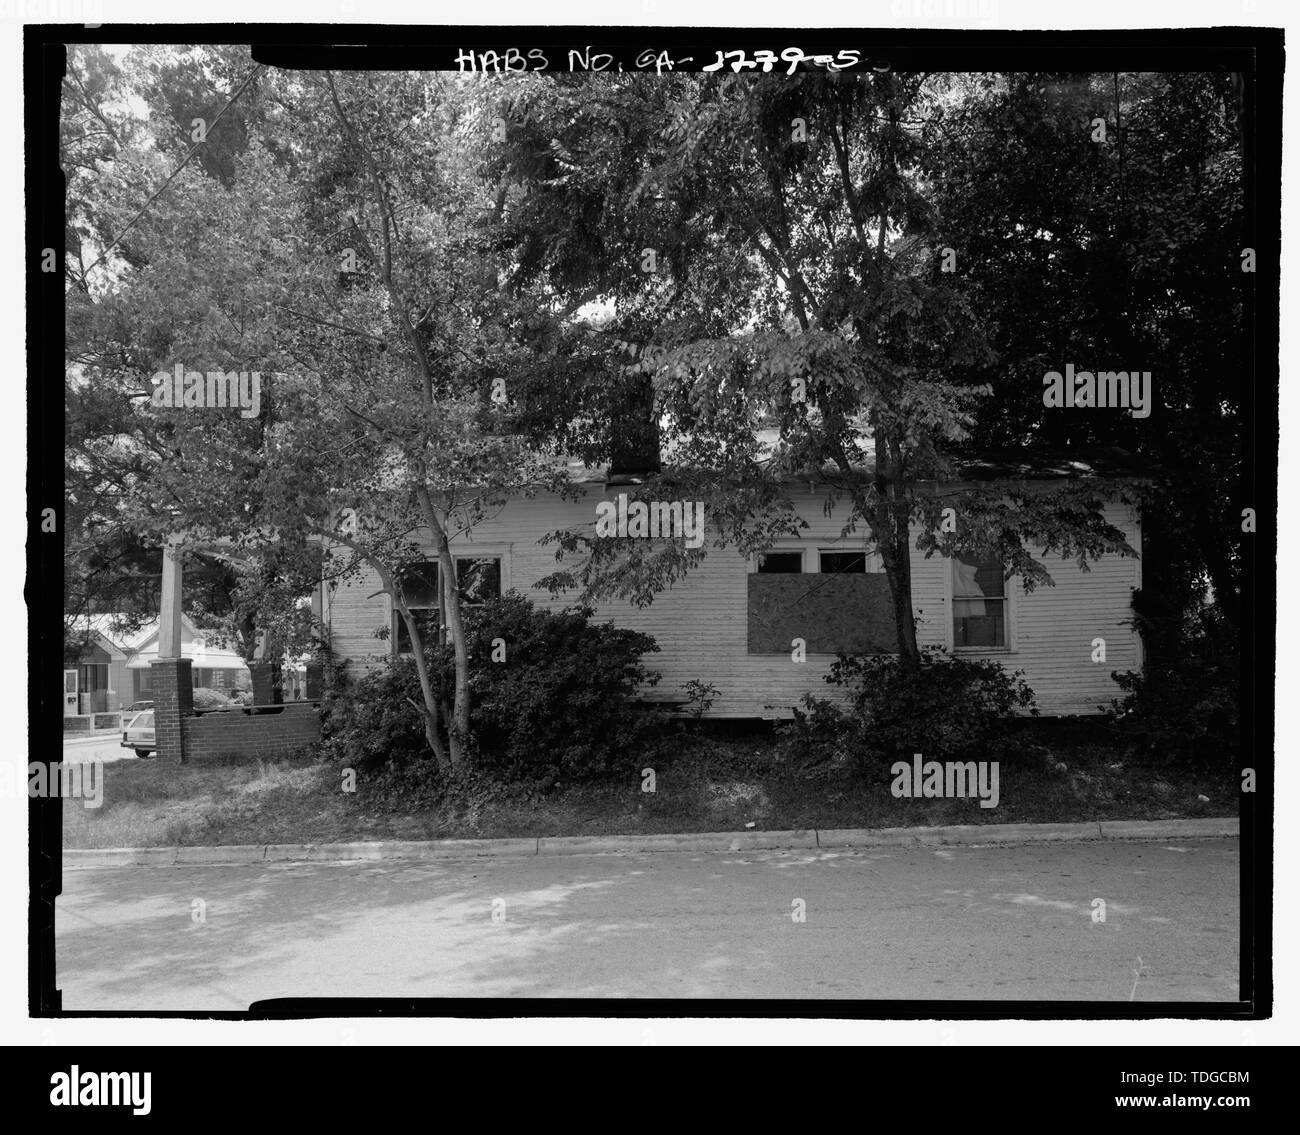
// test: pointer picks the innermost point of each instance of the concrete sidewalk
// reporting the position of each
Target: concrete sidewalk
(968, 835)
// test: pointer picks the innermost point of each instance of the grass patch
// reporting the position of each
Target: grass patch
(707, 779)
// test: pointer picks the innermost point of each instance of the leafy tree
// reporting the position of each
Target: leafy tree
(771, 235)
(346, 260)
(132, 305)
(1123, 253)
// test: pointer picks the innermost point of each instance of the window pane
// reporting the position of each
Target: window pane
(975, 578)
(420, 584)
(426, 620)
(979, 609)
(979, 622)
(785, 562)
(843, 561)
(480, 579)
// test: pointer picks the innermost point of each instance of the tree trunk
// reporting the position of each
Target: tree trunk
(889, 516)
(458, 727)
(895, 551)
(429, 714)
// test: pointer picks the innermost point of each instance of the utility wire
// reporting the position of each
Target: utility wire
(171, 176)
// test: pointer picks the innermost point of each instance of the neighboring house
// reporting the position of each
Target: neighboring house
(731, 622)
(114, 669)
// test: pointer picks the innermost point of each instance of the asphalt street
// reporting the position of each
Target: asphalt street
(950, 923)
(96, 747)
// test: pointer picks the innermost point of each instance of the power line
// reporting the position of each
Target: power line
(171, 176)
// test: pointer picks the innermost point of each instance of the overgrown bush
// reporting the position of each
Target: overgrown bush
(205, 698)
(557, 702)
(951, 707)
(371, 720)
(1185, 710)
(563, 700)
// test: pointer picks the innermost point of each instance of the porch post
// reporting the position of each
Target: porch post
(172, 681)
(169, 615)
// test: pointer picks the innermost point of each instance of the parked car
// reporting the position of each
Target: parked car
(138, 706)
(139, 735)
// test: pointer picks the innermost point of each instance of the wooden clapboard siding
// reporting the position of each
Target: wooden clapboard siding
(1052, 628)
(701, 623)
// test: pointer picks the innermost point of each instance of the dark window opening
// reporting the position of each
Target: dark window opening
(479, 579)
(780, 562)
(834, 562)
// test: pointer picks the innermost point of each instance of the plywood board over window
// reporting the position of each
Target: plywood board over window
(847, 613)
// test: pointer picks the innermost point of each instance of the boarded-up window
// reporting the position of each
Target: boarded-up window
(848, 612)
(979, 604)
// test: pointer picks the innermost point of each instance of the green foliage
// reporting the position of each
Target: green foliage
(797, 293)
(561, 704)
(950, 707)
(205, 698)
(1185, 710)
(700, 697)
(374, 719)
(1121, 254)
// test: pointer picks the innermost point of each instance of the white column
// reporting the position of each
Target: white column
(169, 616)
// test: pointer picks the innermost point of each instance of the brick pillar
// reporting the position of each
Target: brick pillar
(263, 683)
(173, 700)
(315, 681)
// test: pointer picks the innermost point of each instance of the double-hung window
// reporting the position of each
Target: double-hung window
(478, 578)
(979, 604)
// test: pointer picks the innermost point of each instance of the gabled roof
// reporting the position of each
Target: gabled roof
(140, 647)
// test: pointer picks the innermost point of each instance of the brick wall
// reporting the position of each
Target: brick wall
(230, 735)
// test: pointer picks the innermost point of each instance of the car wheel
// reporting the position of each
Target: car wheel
(144, 754)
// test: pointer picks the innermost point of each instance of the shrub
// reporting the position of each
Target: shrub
(700, 697)
(1186, 709)
(372, 720)
(950, 707)
(820, 735)
(205, 698)
(561, 703)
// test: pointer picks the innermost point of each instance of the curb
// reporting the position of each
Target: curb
(969, 835)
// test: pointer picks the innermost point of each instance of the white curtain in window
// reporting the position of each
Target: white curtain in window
(966, 591)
